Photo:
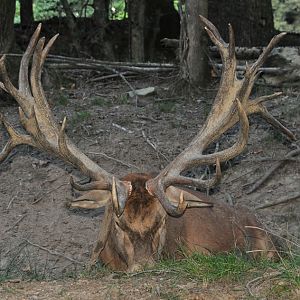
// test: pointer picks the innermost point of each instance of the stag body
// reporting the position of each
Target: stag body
(147, 216)
(145, 231)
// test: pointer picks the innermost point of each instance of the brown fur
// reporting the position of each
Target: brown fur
(144, 230)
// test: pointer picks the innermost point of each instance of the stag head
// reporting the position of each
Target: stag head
(138, 207)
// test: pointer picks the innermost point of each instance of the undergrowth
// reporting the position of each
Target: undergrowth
(230, 267)
(226, 268)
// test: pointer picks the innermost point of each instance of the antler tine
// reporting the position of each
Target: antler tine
(252, 72)
(14, 139)
(257, 107)
(227, 51)
(39, 58)
(263, 56)
(224, 114)
(24, 86)
(24, 102)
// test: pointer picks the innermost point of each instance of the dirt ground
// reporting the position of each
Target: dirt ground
(42, 238)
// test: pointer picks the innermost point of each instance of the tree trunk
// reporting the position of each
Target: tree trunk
(7, 13)
(136, 14)
(193, 43)
(252, 21)
(100, 20)
(72, 26)
(26, 12)
(100, 16)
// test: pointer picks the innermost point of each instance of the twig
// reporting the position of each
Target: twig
(150, 271)
(48, 192)
(15, 224)
(115, 159)
(153, 146)
(52, 252)
(272, 233)
(168, 99)
(11, 201)
(238, 177)
(261, 278)
(286, 200)
(148, 118)
(108, 77)
(272, 159)
(130, 86)
(261, 181)
(122, 128)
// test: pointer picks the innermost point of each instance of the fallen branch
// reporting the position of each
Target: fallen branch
(153, 146)
(52, 252)
(48, 192)
(261, 181)
(283, 201)
(114, 159)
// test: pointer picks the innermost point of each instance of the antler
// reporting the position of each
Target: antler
(37, 119)
(231, 104)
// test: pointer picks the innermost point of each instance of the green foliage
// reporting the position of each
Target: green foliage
(47, 9)
(117, 10)
(17, 13)
(280, 8)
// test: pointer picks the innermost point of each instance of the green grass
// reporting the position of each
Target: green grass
(166, 106)
(209, 268)
(98, 101)
(225, 268)
(61, 98)
(80, 117)
(232, 268)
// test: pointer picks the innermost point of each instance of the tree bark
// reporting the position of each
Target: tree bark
(100, 16)
(7, 13)
(71, 22)
(193, 43)
(136, 14)
(252, 21)
(26, 12)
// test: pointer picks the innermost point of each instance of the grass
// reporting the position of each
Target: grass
(61, 98)
(80, 117)
(98, 101)
(166, 106)
(231, 268)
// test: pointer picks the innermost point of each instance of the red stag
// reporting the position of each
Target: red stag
(145, 216)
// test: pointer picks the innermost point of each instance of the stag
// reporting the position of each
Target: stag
(147, 216)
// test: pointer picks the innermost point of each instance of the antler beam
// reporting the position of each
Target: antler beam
(225, 113)
(38, 121)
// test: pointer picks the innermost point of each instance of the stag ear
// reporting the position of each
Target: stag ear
(192, 198)
(92, 200)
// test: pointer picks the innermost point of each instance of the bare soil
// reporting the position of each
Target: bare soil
(42, 238)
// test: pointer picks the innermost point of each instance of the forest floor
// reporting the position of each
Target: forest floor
(44, 245)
